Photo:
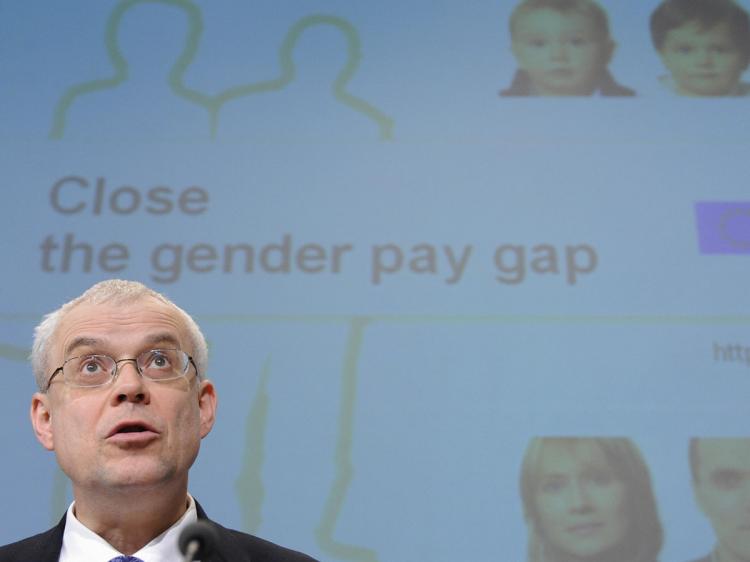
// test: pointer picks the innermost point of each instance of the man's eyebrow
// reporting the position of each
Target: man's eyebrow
(162, 337)
(82, 341)
(152, 339)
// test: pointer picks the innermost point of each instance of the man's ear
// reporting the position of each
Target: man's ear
(41, 420)
(207, 406)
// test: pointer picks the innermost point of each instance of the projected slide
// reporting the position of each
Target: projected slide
(473, 274)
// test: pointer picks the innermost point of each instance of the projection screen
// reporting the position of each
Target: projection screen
(410, 280)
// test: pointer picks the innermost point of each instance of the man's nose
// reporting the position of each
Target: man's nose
(129, 385)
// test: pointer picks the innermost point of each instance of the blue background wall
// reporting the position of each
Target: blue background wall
(378, 410)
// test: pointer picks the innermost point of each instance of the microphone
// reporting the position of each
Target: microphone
(197, 541)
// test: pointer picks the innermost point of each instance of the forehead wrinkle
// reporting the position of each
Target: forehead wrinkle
(99, 339)
(147, 341)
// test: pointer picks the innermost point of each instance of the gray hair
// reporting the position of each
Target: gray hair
(116, 291)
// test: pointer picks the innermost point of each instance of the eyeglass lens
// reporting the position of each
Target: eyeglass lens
(155, 364)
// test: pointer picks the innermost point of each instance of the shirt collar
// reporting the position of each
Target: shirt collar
(81, 544)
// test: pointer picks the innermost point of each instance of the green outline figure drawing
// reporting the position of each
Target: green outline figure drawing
(288, 72)
(176, 74)
(343, 457)
(14, 353)
(249, 484)
(213, 104)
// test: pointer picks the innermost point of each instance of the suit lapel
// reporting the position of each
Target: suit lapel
(226, 550)
(48, 545)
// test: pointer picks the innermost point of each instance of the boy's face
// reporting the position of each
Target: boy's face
(703, 62)
(562, 53)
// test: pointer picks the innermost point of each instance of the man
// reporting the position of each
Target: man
(124, 403)
(721, 483)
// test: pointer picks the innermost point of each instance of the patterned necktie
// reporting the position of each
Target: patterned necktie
(126, 559)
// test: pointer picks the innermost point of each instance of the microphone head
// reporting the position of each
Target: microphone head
(204, 534)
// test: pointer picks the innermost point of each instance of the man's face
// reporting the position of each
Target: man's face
(561, 52)
(703, 62)
(722, 490)
(98, 433)
(580, 503)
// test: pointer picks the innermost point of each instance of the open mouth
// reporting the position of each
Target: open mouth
(132, 429)
(135, 430)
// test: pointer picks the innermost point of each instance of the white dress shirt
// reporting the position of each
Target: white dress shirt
(81, 544)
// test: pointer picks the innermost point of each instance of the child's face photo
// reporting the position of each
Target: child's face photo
(561, 52)
(702, 62)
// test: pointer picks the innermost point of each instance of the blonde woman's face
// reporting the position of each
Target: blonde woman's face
(579, 501)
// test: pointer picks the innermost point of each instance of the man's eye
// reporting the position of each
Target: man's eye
(684, 49)
(159, 361)
(91, 366)
(727, 479)
(579, 41)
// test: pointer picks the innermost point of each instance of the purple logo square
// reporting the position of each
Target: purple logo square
(723, 227)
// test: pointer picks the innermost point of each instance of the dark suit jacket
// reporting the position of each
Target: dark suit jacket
(233, 546)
